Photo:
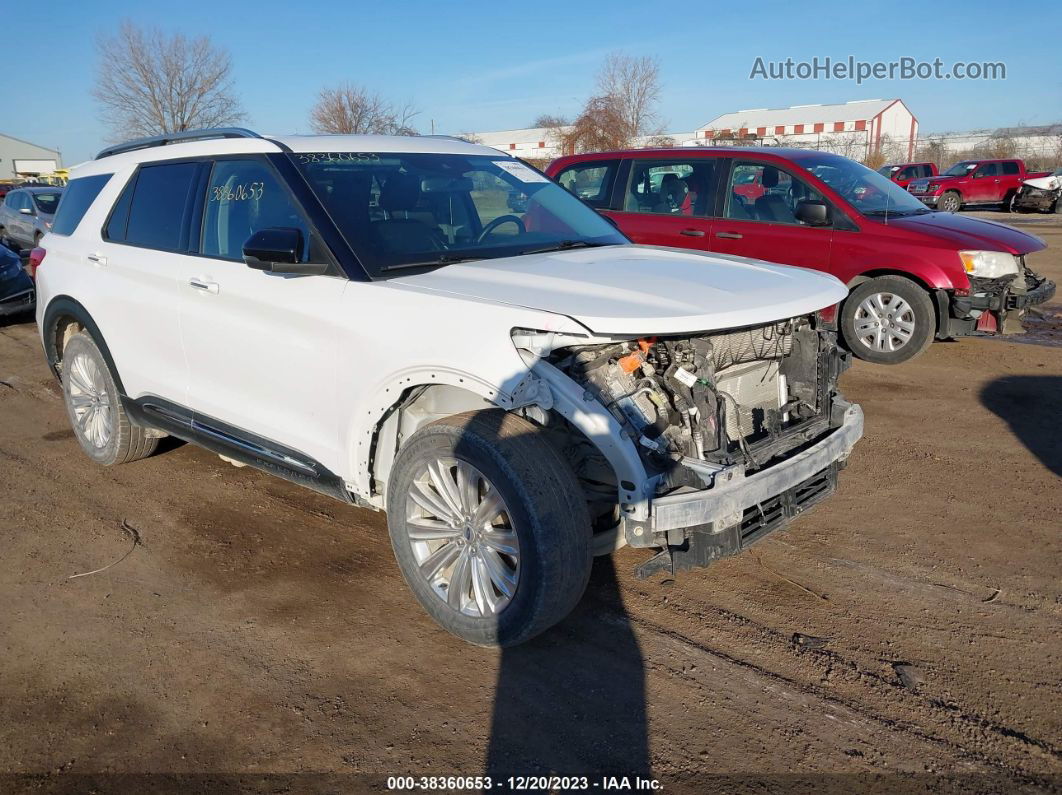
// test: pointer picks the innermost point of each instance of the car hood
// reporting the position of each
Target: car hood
(632, 290)
(937, 178)
(1044, 183)
(971, 233)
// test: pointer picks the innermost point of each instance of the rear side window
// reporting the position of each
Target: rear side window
(592, 182)
(1011, 167)
(77, 198)
(155, 208)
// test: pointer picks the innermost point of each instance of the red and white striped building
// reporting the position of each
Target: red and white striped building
(859, 127)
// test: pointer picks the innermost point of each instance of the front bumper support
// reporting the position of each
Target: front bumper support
(722, 520)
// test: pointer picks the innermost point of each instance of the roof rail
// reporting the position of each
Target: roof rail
(176, 138)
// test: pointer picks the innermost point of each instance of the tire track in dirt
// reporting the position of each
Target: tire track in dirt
(962, 732)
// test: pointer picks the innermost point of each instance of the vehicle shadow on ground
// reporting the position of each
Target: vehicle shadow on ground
(1032, 406)
(572, 701)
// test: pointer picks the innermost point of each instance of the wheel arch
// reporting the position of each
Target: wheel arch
(63, 317)
(413, 402)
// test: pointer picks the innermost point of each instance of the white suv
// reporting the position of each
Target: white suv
(370, 317)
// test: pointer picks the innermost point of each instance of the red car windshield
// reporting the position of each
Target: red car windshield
(867, 191)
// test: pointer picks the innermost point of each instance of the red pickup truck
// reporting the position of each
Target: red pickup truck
(973, 182)
(904, 173)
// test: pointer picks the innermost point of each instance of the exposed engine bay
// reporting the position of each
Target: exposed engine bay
(722, 397)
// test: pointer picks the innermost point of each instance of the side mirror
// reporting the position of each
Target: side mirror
(26, 211)
(813, 213)
(277, 250)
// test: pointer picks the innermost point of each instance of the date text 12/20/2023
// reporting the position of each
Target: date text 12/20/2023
(522, 783)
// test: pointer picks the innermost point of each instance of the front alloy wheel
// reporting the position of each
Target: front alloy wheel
(950, 202)
(462, 537)
(489, 526)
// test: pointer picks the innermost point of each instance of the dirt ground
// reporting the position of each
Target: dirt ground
(903, 636)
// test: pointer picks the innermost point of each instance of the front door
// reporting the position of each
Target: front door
(984, 187)
(667, 201)
(262, 348)
(767, 228)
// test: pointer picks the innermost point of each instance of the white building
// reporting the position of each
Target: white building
(20, 158)
(535, 143)
(854, 129)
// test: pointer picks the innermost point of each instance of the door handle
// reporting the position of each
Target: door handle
(206, 287)
(692, 232)
(97, 260)
(728, 235)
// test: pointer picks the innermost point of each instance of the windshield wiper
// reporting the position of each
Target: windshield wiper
(443, 259)
(897, 213)
(564, 245)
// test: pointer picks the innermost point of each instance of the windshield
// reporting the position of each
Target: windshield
(400, 210)
(47, 202)
(960, 169)
(867, 191)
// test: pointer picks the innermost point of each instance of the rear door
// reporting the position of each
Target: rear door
(667, 201)
(766, 228)
(1010, 177)
(262, 347)
(141, 258)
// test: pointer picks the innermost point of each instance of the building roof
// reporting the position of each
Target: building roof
(799, 114)
(531, 135)
(31, 144)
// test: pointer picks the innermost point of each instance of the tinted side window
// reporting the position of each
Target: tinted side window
(763, 192)
(244, 196)
(591, 182)
(988, 170)
(161, 206)
(908, 173)
(77, 198)
(1011, 168)
(670, 187)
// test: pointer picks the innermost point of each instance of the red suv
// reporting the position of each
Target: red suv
(914, 274)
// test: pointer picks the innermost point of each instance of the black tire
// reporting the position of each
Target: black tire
(1008, 202)
(950, 202)
(543, 504)
(918, 312)
(125, 441)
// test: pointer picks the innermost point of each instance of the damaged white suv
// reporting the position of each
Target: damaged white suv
(433, 328)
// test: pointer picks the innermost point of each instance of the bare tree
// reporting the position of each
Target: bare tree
(550, 121)
(633, 85)
(148, 83)
(348, 109)
(623, 109)
(600, 126)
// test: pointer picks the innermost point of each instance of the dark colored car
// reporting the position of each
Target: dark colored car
(914, 274)
(17, 293)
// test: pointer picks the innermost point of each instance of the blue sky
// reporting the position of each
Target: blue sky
(481, 66)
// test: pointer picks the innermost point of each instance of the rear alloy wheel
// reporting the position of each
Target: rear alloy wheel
(950, 202)
(95, 409)
(489, 526)
(888, 320)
